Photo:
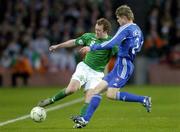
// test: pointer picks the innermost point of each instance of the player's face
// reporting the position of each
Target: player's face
(121, 20)
(100, 33)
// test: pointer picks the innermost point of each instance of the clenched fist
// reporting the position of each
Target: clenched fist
(52, 48)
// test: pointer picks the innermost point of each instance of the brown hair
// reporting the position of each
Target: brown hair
(106, 24)
(125, 10)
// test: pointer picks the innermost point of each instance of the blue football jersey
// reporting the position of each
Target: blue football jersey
(129, 39)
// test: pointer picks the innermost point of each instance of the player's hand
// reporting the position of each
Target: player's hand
(84, 50)
(52, 48)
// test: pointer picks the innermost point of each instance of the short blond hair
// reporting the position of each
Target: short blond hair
(125, 10)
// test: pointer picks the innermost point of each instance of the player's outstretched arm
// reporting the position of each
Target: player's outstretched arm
(116, 40)
(66, 44)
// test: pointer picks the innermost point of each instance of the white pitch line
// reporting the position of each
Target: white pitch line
(49, 109)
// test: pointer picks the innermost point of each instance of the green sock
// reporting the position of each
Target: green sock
(59, 95)
(83, 109)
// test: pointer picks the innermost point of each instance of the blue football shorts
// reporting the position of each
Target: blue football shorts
(120, 74)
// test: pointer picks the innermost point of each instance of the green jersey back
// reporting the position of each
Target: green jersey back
(97, 60)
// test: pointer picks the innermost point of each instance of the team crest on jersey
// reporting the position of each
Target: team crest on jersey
(80, 42)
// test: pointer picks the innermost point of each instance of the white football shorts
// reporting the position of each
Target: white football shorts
(87, 77)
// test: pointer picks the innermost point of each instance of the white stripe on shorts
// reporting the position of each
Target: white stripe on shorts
(124, 70)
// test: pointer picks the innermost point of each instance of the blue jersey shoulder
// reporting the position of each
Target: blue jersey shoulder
(132, 42)
(128, 38)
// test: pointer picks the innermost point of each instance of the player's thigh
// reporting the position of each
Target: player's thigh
(100, 88)
(111, 93)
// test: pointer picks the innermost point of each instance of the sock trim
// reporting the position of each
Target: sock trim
(118, 95)
(52, 99)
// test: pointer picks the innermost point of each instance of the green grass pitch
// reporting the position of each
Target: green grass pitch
(111, 116)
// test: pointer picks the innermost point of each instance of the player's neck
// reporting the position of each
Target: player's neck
(127, 22)
(105, 36)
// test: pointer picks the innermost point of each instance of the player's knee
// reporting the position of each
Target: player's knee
(71, 90)
(111, 95)
(91, 93)
(88, 96)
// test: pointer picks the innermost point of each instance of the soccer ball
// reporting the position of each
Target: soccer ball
(38, 114)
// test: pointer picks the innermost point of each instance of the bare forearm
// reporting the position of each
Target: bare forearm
(69, 43)
(66, 44)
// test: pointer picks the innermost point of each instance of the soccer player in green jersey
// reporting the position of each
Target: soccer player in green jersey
(89, 72)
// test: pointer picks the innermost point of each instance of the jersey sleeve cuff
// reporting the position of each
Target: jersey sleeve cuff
(92, 48)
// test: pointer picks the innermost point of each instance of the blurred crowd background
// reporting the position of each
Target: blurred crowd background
(29, 27)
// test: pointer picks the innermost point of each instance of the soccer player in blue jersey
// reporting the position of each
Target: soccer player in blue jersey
(129, 39)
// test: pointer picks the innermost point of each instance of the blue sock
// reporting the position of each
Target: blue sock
(124, 96)
(93, 105)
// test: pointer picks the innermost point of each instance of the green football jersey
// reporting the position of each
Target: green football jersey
(97, 60)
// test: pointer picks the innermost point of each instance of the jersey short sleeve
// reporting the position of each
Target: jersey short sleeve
(82, 40)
